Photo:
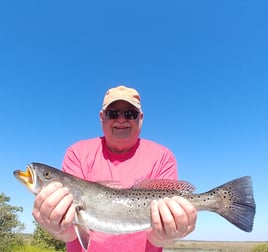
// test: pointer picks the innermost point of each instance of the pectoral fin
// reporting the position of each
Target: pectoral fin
(83, 235)
(81, 228)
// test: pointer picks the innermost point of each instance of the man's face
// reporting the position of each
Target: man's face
(121, 125)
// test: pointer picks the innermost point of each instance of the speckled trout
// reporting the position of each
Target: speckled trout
(105, 207)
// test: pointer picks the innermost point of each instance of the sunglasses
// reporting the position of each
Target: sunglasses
(130, 114)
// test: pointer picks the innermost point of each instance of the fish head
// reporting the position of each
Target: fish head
(36, 176)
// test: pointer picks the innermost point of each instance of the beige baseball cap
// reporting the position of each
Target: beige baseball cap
(122, 93)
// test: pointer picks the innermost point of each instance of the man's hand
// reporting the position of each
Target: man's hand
(172, 218)
(54, 211)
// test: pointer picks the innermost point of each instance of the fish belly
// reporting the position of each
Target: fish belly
(119, 216)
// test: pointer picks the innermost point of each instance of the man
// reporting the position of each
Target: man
(120, 155)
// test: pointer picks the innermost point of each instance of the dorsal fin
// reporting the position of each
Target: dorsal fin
(164, 184)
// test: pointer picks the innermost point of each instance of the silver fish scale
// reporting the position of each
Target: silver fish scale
(141, 197)
(129, 209)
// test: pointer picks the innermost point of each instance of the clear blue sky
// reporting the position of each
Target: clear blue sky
(201, 68)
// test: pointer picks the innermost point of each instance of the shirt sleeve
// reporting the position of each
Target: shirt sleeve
(162, 159)
(168, 168)
(71, 163)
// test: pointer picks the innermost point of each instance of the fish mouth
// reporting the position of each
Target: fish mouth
(27, 178)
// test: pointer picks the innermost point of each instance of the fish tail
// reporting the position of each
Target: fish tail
(236, 202)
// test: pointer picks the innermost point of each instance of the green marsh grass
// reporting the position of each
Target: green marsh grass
(29, 248)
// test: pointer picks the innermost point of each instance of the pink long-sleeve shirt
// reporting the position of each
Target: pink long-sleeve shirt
(92, 160)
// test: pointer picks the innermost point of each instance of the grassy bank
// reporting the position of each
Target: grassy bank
(221, 246)
(29, 248)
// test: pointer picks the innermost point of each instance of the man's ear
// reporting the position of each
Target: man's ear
(101, 116)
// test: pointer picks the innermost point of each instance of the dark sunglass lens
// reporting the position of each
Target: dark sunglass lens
(112, 114)
(131, 114)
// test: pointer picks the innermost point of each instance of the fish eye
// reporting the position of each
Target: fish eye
(47, 175)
